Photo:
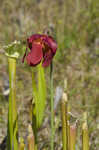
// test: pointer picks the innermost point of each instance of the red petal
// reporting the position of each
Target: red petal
(34, 57)
(51, 43)
(47, 58)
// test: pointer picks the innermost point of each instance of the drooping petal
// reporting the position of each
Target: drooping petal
(47, 58)
(35, 55)
(29, 59)
(51, 43)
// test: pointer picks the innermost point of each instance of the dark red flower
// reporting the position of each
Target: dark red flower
(42, 48)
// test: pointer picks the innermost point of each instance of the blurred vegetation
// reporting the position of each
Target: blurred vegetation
(75, 26)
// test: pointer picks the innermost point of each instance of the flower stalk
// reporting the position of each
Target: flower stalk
(12, 110)
(52, 106)
(34, 117)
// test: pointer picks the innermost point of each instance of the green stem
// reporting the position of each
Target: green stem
(52, 107)
(12, 112)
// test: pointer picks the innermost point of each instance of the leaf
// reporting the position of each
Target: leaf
(12, 112)
(41, 94)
